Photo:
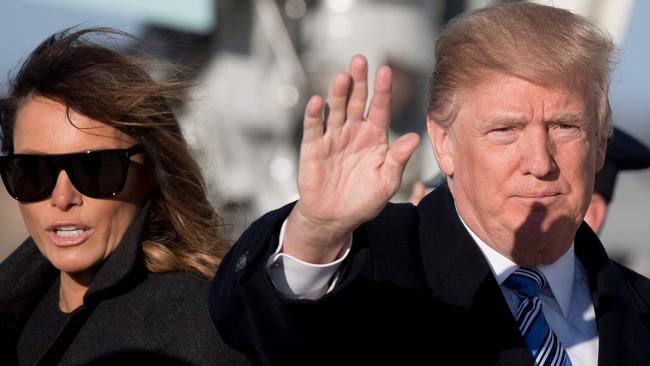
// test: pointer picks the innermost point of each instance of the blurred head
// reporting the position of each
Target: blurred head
(624, 152)
(518, 118)
(74, 94)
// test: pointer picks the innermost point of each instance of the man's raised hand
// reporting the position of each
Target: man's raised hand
(347, 170)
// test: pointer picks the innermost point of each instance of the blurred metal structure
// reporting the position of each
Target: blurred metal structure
(614, 16)
(269, 57)
(242, 124)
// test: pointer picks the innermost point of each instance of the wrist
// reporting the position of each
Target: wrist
(314, 241)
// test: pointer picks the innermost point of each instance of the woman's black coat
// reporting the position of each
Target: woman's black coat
(129, 313)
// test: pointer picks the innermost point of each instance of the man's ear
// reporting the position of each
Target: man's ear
(442, 146)
(596, 213)
(601, 150)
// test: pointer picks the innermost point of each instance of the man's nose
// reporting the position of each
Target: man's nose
(537, 153)
(65, 195)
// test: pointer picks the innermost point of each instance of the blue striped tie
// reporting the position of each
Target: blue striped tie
(542, 343)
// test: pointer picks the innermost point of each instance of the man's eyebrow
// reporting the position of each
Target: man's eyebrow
(569, 117)
(514, 120)
(506, 121)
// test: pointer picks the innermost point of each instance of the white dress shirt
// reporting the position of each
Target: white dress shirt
(297, 279)
(566, 303)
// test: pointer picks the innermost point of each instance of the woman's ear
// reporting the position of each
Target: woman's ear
(442, 146)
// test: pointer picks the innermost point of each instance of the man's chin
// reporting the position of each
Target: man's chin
(543, 229)
(541, 241)
(536, 258)
(540, 221)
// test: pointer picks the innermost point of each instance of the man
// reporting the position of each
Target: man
(496, 267)
(624, 152)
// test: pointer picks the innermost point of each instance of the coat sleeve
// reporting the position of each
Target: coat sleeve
(377, 277)
(245, 307)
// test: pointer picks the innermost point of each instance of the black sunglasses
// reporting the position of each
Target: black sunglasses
(96, 174)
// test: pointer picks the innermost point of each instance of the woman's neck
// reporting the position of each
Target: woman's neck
(73, 288)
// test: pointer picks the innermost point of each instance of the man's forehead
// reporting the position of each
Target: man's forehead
(514, 118)
(512, 97)
(491, 78)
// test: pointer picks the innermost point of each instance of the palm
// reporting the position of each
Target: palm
(341, 176)
(347, 169)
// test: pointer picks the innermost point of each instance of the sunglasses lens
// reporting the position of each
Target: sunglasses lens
(99, 174)
(29, 178)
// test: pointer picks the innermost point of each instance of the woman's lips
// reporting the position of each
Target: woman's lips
(68, 235)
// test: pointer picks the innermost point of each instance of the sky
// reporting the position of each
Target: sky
(630, 90)
(24, 24)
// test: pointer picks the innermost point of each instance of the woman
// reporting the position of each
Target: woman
(123, 240)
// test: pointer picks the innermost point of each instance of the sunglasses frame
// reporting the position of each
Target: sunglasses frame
(65, 162)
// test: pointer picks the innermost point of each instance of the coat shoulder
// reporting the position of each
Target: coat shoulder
(181, 296)
(173, 309)
(638, 283)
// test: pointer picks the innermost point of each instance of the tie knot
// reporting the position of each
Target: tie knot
(526, 281)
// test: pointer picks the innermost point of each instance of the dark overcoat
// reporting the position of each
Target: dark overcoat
(415, 289)
(129, 314)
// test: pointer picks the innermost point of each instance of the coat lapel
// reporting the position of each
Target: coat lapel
(459, 275)
(623, 335)
(23, 274)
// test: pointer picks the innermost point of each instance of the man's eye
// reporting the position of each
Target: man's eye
(502, 129)
(503, 135)
(566, 126)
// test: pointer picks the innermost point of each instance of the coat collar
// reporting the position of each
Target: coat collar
(459, 275)
(623, 337)
(450, 255)
(125, 261)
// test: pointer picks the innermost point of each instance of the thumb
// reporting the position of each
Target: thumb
(399, 154)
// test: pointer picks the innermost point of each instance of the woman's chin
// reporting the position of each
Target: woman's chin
(72, 266)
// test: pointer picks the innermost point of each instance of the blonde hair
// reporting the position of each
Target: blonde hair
(541, 44)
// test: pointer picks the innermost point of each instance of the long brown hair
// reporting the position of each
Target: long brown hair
(183, 231)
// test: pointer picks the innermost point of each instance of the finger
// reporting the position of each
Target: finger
(359, 94)
(417, 192)
(337, 99)
(379, 113)
(313, 127)
(398, 155)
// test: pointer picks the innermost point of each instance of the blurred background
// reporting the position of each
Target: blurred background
(254, 64)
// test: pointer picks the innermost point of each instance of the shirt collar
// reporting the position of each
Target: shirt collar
(559, 274)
